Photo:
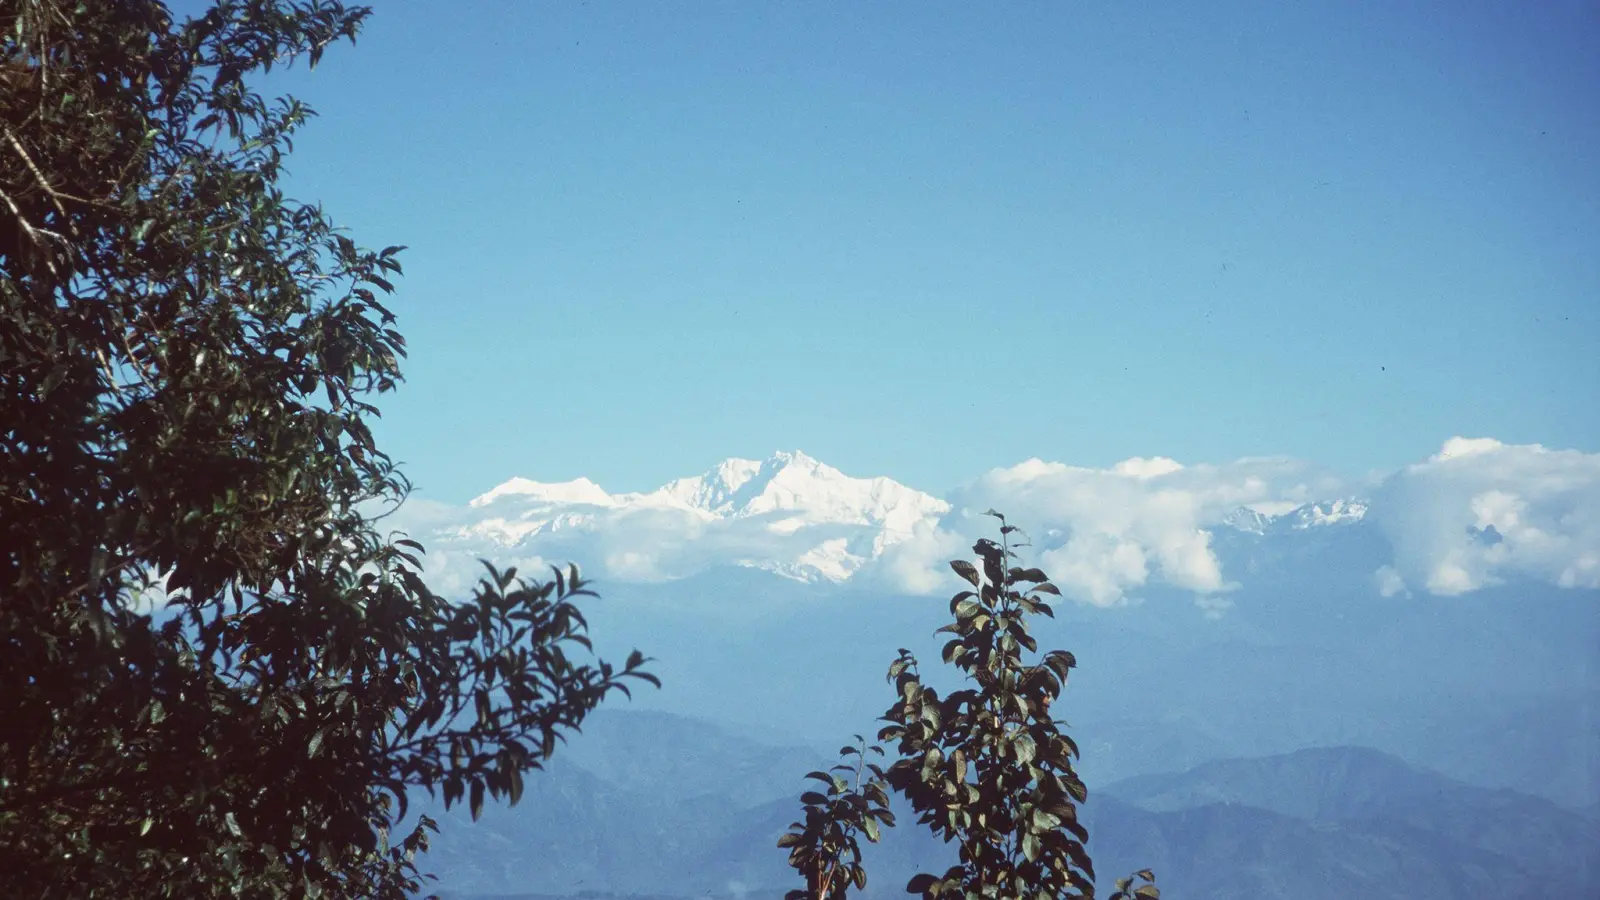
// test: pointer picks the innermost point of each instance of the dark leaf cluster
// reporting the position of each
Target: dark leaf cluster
(218, 676)
(988, 766)
(824, 846)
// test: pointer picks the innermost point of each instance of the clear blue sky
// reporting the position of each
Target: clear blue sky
(926, 239)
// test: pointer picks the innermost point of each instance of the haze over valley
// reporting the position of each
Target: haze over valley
(1417, 649)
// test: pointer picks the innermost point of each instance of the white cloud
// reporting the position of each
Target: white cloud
(631, 543)
(1479, 512)
(1139, 467)
(1472, 515)
(921, 563)
(1459, 447)
(1108, 532)
(1476, 513)
(1389, 582)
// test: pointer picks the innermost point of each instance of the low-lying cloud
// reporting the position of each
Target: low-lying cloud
(1102, 534)
(1475, 514)
(1479, 512)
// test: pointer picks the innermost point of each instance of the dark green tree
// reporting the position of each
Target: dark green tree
(825, 845)
(988, 766)
(218, 676)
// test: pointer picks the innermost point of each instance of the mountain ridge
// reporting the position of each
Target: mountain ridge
(789, 514)
(1360, 785)
(599, 824)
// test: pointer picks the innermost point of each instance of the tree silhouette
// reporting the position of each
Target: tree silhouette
(987, 767)
(218, 676)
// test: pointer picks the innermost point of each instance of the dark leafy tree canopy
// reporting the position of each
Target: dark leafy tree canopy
(188, 365)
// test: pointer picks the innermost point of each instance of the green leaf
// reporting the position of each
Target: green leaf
(966, 570)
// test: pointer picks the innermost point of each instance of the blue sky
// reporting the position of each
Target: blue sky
(926, 240)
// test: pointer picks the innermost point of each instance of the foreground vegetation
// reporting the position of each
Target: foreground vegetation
(987, 767)
(187, 367)
(219, 677)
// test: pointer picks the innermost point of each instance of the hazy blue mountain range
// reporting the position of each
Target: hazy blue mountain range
(1495, 688)
(1225, 852)
(1498, 686)
(763, 591)
(1368, 789)
(1326, 823)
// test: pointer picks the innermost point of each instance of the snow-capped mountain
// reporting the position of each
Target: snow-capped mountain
(1256, 520)
(807, 491)
(1450, 525)
(789, 514)
(1337, 512)
(579, 491)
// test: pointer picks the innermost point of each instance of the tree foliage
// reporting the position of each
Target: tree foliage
(988, 766)
(218, 676)
(825, 846)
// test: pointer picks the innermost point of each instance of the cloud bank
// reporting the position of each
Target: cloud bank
(1475, 514)
(1103, 533)
(1479, 512)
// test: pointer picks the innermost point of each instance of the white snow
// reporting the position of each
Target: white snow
(1261, 518)
(1147, 518)
(789, 514)
(580, 490)
(1338, 512)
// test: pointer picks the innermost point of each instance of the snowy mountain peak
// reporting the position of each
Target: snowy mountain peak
(1337, 512)
(579, 490)
(1246, 519)
(789, 514)
(1272, 517)
(726, 487)
(795, 482)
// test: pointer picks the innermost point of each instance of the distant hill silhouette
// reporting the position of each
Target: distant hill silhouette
(1363, 790)
(658, 806)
